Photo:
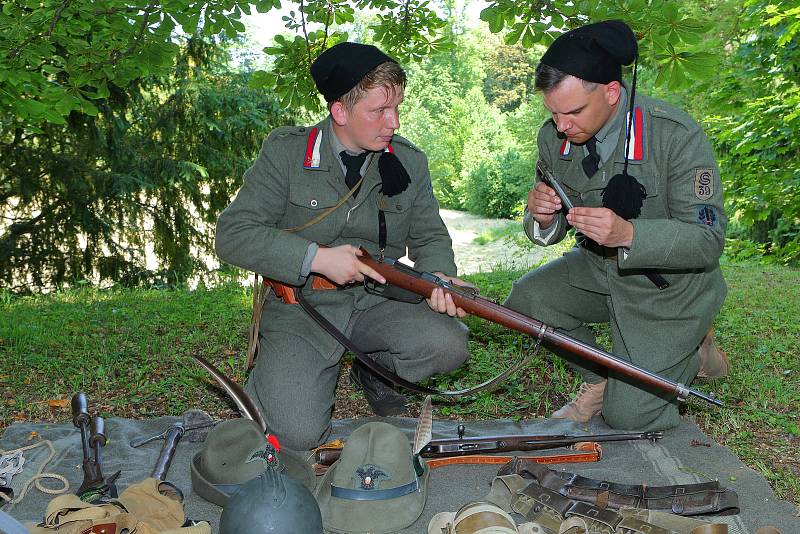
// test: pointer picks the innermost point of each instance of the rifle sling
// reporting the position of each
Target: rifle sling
(682, 499)
(590, 452)
(386, 374)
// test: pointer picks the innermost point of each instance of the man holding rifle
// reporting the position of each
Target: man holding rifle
(649, 221)
(310, 199)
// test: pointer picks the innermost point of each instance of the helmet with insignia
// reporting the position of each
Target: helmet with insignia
(271, 503)
(377, 485)
(237, 451)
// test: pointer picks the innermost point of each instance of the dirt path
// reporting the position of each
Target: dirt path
(473, 257)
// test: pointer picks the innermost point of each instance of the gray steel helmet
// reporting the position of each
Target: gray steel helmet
(274, 503)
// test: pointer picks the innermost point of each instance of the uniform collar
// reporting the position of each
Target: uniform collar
(614, 125)
(337, 147)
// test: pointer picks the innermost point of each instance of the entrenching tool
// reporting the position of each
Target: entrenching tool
(193, 426)
(193, 420)
(93, 438)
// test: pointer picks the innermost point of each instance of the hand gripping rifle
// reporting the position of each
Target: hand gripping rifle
(423, 283)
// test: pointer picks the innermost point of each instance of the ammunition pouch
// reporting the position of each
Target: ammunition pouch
(552, 513)
(285, 292)
(684, 499)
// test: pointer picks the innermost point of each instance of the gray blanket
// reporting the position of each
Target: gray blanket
(684, 455)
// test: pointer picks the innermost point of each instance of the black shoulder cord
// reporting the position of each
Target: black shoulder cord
(659, 281)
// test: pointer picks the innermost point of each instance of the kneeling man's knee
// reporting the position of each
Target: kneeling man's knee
(629, 414)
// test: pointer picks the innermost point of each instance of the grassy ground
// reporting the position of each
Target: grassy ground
(130, 351)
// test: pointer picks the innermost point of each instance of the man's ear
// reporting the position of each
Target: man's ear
(339, 113)
(613, 91)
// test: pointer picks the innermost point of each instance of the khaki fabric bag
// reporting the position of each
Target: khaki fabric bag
(140, 509)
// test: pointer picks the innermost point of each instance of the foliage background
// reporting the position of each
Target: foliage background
(125, 127)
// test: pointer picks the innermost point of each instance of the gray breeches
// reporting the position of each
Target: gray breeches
(294, 385)
(546, 294)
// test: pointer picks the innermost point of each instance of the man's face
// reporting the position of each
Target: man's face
(371, 123)
(578, 113)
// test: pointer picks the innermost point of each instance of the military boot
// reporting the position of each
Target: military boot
(586, 404)
(713, 362)
(383, 400)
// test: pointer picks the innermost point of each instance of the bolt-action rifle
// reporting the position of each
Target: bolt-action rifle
(464, 446)
(423, 283)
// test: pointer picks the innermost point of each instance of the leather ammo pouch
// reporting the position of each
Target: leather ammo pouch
(685, 499)
(558, 515)
(286, 292)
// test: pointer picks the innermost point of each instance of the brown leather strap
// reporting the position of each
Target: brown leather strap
(591, 452)
(591, 456)
(682, 499)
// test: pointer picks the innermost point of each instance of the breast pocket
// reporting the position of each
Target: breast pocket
(653, 203)
(397, 210)
(308, 204)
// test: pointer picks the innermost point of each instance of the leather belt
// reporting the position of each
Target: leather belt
(683, 499)
(595, 248)
(611, 252)
(587, 451)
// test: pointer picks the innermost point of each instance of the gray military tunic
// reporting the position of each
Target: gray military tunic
(296, 177)
(679, 234)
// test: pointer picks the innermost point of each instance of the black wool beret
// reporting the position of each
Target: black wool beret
(595, 52)
(340, 68)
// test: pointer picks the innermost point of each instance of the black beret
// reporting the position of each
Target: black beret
(595, 52)
(340, 68)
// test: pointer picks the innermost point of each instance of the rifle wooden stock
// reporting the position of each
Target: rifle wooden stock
(423, 283)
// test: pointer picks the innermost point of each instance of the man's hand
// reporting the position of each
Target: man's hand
(602, 225)
(543, 203)
(341, 266)
(442, 302)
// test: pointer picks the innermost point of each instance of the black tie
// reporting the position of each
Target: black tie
(353, 165)
(591, 162)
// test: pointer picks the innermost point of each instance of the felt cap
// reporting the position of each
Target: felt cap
(374, 487)
(340, 68)
(595, 52)
(237, 451)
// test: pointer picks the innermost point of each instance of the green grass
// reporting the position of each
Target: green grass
(508, 230)
(130, 351)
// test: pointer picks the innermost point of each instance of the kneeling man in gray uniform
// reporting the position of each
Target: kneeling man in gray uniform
(649, 222)
(312, 198)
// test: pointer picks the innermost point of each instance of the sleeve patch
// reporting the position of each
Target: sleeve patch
(703, 184)
(706, 215)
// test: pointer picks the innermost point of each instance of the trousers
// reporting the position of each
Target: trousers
(547, 295)
(294, 385)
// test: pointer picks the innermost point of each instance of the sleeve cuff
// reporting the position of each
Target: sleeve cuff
(305, 269)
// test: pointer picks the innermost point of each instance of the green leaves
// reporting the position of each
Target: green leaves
(669, 34)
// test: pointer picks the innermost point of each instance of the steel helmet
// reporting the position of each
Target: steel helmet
(271, 503)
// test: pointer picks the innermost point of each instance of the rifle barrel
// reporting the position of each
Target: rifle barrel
(423, 283)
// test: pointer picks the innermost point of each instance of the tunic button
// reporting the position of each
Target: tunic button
(314, 203)
(399, 206)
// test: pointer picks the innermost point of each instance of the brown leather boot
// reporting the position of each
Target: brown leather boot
(713, 362)
(586, 404)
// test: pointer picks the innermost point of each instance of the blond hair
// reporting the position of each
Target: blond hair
(388, 75)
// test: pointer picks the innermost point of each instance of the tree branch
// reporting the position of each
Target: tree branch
(305, 32)
(136, 40)
(56, 16)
